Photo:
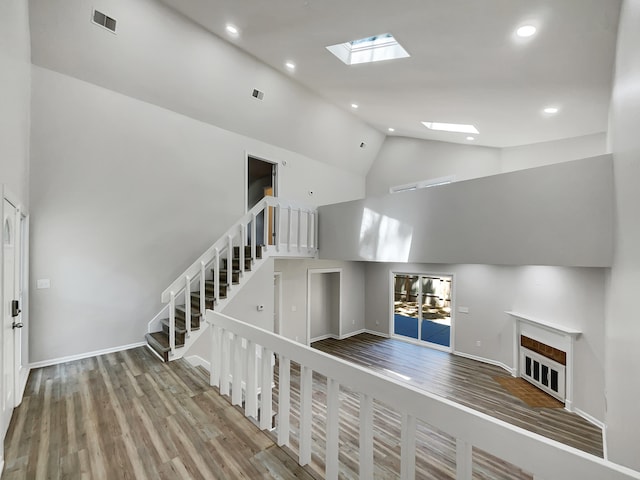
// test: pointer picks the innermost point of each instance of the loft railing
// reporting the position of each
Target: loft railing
(289, 230)
(232, 339)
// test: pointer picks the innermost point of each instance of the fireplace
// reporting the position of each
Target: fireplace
(543, 355)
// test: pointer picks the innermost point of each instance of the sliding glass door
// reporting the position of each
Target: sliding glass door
(422, 308)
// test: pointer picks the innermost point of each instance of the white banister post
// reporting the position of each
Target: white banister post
(306, 387)
(187, 305)
(464, 460)
(408, 448)
(265, 390)
(216, 276)
(315, 230)
(278, 226)
(284, 400)
(309, 217)
(215, 358)
(266, 221)
(203, 291)
(253, 237)
(366, 436)
(172, 322)
(251, 394)
(299, 239)
(236, 389)
(224, 368)
(229, 259)
(241, 248)
(289, 226)
(333, 430)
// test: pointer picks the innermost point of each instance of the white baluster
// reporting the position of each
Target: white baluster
(366, 436)
(216, 276)
(236, 390)
(309, 218)
(306, 387)
(251, 393)
(278, 226)
(299, 239)
(315, 230)
(284, 400)
(187, 304)
(203, 285)
(216, 356)
(172, 322)
(408, 448)
(265, 390)
(229, 260)
(241, 249)
(464, 460)
(333, 429)
(224, 369)
(253, 236)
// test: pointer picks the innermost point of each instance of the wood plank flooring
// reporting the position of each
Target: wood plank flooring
(127, 416)
(465, 381)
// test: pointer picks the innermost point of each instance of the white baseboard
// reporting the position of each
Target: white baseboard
(351, 334)
(590, 418)
(80, 356)
(22, 384)
(379, 334)
(198, 361)
(512, 371)
(323, 337)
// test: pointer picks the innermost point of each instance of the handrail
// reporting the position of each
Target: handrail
(221, 244)
(543, 457)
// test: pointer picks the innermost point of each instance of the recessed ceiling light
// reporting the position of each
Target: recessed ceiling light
(369, 49)
(451, 127)
(526, 31)
(471, 138)
(290, 65)
(550, 110)
(354, 105)
(232, 29)
(391, 129)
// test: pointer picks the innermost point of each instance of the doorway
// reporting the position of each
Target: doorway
(262, 181)
(324, 304)
(422, 308)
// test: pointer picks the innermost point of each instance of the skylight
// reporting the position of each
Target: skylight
(369, 49)
(451, 127)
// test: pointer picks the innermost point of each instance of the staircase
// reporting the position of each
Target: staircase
(220, 273)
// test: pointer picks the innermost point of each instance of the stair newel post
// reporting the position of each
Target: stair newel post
(309, 218)
(202, 289)
(172, 322)
(216, 276)
(299, 233)
(229, 261)
(241, 243)
(289, 225)
(187, 304)
(278, 226)
(253, 237)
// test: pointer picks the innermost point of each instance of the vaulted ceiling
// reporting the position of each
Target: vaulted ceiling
(466, 64)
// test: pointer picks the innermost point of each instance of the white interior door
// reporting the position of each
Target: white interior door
(9, 313)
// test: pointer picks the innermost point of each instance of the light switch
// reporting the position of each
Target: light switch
(43, 283)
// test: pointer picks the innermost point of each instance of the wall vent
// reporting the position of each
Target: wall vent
(103, 20)
(257, 94)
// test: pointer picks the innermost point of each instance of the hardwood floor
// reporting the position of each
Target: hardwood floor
(127, 416)
(465, 381)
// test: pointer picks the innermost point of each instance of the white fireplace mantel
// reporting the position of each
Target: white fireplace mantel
(554, 335)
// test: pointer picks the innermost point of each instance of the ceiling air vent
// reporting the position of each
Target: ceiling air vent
(257, 94)
(105, 21)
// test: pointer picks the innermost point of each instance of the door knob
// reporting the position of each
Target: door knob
(17, 325)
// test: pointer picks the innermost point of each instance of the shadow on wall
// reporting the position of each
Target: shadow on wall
(384, 239)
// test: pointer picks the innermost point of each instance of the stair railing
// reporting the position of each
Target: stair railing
(295, 234)
(535, 454)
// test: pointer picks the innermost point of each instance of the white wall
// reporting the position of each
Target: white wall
(404, 160)
(124, 196)
(294, 295)
(573, 297)
(622, 326)
(163, 58)
(15, 91)
(547, 153)
(553, 215)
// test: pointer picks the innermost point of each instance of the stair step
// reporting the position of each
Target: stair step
(159, 341)
(209, 287)
(236, 263)
(247, 251)
(181, 312)
(235, 276)
(181, 327)
(208, 300)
